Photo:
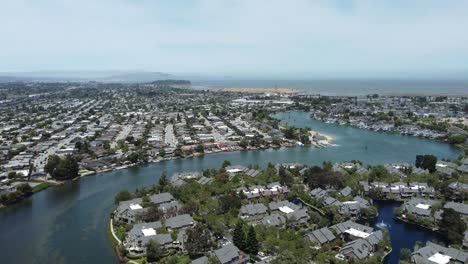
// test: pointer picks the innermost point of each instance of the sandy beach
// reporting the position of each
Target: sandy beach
(260, 90)
(328, 137)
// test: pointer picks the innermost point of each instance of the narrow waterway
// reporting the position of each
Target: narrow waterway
(402, 235)
(67, 224)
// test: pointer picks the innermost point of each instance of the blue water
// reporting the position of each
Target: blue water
(402, 235)
(67, 224)
(350, 87)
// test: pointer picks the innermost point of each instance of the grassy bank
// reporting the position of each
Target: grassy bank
(41, 187)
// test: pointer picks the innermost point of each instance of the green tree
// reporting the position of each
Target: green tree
(133, 157)
(122, 196)
(251, 242)
(405, 255)
(200, 148)
(452, 226)
(198, 240)
(226, 163)
(24, 188)
(238, 236)
(153, 251)
(163, 179)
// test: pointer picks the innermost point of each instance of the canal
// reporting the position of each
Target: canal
(67, 224)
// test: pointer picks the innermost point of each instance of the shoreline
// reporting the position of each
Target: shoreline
(329, 138)
(259, 90)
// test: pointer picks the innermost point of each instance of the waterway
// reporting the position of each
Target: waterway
(402, 235)
(67, 224)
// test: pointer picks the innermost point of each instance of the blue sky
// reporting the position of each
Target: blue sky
(248, 38)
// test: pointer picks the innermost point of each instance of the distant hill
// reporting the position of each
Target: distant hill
(84, 76)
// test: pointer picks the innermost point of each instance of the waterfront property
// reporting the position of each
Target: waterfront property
(434, 253)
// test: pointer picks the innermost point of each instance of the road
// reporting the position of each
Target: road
(121, 135)
(216, 135)
(169, 137)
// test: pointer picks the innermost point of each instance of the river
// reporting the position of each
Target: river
(67, 224)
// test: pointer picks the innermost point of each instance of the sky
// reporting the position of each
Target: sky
(245, 38)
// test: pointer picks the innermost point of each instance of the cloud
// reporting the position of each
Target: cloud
(245, 37)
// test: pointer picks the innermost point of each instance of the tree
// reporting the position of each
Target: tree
(122, 196)
(244, 143)
(133, 157)
(153, 251)
(24, 188)
(452, 226)
(163, 179)
(11, 175)
(251, 242)
(62, 169)
(200, 148)
(226, 163)
(285, 178)
(405, 255)
(153, 214)
(426, 162)
(238, 236)
(198, 240)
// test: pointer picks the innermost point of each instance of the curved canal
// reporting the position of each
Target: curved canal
(67, 224)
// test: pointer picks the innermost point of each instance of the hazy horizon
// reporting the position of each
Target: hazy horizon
(242, 39)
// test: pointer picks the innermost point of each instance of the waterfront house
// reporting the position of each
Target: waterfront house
(350, 230)
(128, 211)
(419, 207)
(459, 207)
(141, 234)
(434, 253)
(362, 248)
(161, 198)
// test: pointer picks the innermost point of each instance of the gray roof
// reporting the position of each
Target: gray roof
(227, 254)
(410, 206)
(204, 180)
(321, 236)
(253, 209)
(202, 260)
(459, 207)
(136, 237)
(274, 220)
(276, 205)
(341, 227)
(179, 221)
(346, 191)
(161, 198)
(424, 253)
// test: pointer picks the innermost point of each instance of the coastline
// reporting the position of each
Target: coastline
(259, 90)
(329, 138)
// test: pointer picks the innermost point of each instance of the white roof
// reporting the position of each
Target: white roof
(285, 209)
(135, 206)
(423, 206)
(234, 170)
(439, 258)
(441, 165)
(357, 233)
(350, 202)
(148, 232)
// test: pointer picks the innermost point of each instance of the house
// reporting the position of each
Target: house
(230, 254)
(459, 207)
(419, 207)
(161, 198)
(128, 211)
(274, 219)
(362, 248)
(253, 212)
(141, 234)
(321, 236)
(434, 253)
(179, 221)
(350, 230)
(293, 212)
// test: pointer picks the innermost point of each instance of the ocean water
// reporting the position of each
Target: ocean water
(350, 87)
